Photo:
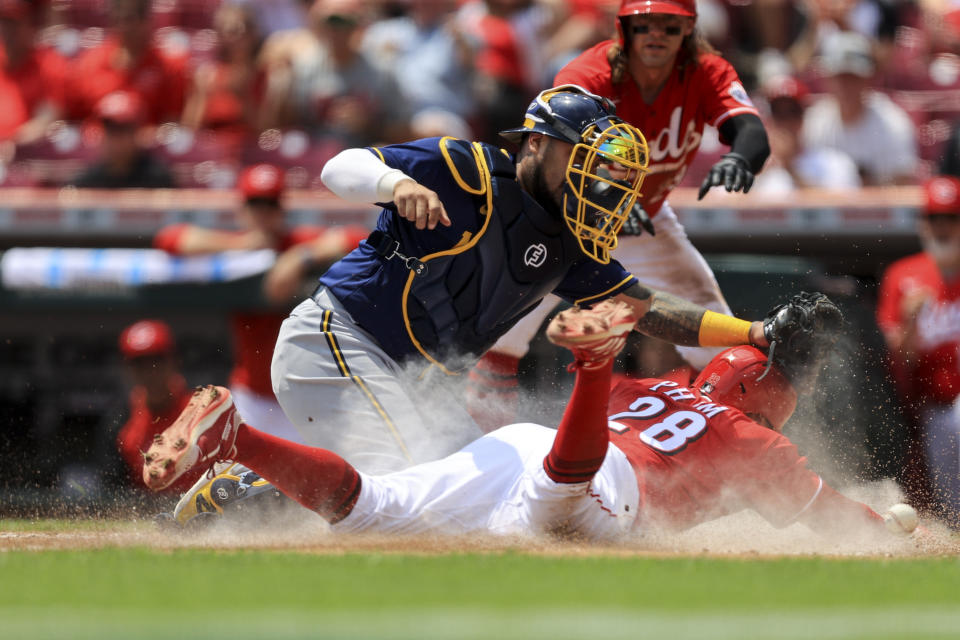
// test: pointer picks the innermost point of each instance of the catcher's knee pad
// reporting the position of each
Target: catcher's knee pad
(234, 491)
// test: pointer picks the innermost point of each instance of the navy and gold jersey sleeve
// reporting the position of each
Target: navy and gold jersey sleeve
(424, 161)
(419, 159)
(589, 282)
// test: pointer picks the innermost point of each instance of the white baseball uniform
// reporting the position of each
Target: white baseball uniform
(497, 485)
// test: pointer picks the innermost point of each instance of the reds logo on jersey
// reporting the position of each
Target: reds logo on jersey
(668, 144)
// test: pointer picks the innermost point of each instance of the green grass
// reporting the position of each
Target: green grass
(190, 593)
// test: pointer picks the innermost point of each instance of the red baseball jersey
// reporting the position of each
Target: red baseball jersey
(697, 460)
(709, 92)
(936, 376)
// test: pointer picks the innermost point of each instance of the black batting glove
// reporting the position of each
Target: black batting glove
(637, 221)
(732, 171)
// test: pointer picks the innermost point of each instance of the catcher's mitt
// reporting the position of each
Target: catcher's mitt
(803, 330)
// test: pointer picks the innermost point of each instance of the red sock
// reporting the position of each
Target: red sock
(318, 479)
(582, 437)
(492, 390)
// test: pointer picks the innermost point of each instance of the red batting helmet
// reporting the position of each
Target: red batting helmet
(629, 8)
(733, 378)
(676, 7)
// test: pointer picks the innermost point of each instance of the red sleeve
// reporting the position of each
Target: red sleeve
(889, 298)
(724, 96)
(301, 235)
(169, 238)
(781, 488)
(832, 513)
(353, 235)
(131, 437)
(771, 475)
(589, 70)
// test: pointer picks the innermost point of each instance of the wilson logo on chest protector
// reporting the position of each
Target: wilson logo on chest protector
(535, 255)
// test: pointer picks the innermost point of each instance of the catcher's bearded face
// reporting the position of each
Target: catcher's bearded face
(549, 174)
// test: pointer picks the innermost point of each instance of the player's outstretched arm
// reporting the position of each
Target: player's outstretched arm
(189, 240)
(834, 514)
(357, 175)
(284, 281)
(749, 149)
(673, 319)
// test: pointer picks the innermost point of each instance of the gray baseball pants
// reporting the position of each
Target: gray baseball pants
(342, 392)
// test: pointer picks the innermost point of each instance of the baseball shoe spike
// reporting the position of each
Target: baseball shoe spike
(204, 433)
(595, 336)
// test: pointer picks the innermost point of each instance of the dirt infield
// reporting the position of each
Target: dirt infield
(743, 535)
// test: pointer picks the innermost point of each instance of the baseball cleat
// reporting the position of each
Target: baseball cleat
(204, 433)
(595, 336)
(235, 489)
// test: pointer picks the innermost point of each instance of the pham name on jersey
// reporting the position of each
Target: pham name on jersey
(680, 394)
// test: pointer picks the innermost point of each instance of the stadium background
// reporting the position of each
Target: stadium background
(72, 274)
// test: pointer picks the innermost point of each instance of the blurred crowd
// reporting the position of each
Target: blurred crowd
(186, 92)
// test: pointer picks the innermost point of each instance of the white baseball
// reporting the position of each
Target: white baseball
(901, 519)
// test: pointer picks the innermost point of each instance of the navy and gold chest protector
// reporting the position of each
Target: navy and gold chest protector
(472, 293)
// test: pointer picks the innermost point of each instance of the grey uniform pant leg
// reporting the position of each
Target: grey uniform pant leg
(344, 393)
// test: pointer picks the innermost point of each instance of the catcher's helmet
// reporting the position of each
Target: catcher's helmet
(606, 167)
(735, 377)
(564, 112)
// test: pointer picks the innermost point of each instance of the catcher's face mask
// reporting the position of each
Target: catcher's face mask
(603, 180)
(605, 170)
